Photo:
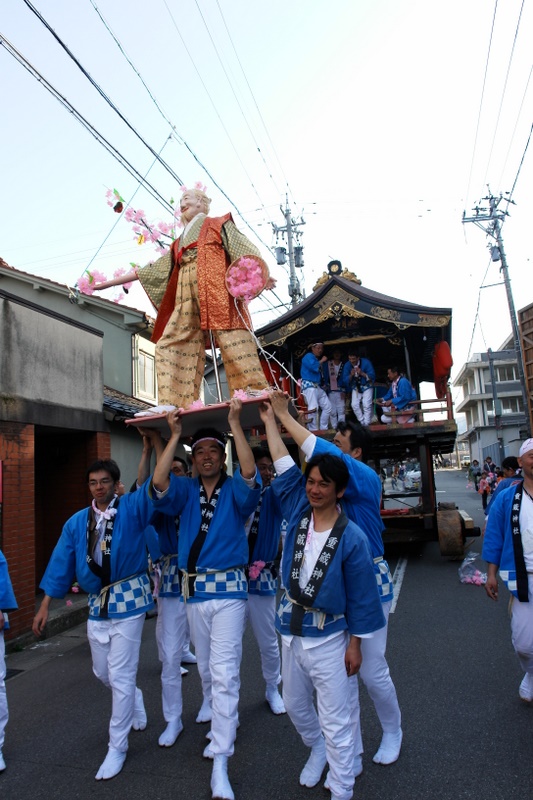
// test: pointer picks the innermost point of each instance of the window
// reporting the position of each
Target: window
(507, 373)
(146, 374)
(511, 405)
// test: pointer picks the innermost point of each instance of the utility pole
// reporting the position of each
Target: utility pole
(493, 218)
(292, 232)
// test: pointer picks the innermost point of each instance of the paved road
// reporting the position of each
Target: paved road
(466, 733)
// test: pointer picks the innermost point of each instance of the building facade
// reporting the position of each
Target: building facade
(492, 404)
(72, 368)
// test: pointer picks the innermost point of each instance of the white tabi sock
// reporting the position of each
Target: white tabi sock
(111, 765)
(389, 749)
(525, 690)
(314, 767)
(208, 753)
(187, 657)
(357, 769)
(2, 762)
(205, 713)
(220, 785)
(274, 699)
(171, 733)
(139, 713)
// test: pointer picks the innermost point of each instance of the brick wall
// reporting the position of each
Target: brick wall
(43, 485)
(17, 449)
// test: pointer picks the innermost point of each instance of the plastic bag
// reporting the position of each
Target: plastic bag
(469, 571)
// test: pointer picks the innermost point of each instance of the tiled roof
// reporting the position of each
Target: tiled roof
(122, 403)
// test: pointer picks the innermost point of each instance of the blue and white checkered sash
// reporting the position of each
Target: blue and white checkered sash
(124, 597)
(384, 579)
(309, 384)
(170, 585)
(267, 581)
(317, 618)
(215, 582)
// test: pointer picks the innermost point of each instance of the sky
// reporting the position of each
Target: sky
(380, 121)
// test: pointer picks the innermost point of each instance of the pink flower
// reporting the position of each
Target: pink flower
(195, 405)
(84, 285)
(240, 394)
(255, 569)
(69, 602)
(97, 276)
(245, 279)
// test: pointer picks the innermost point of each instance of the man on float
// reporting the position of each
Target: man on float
(361, 502)
(213, 554)
(330, 603)
(312, 380)
(358, 378)
(332, 370)
(399, 398)
(188, 288)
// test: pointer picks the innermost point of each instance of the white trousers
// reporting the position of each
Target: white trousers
(171, 632)
(386, 419)
(338, 408)
(216, 629)
(322, 669)
(316, 400)
(376, 676)
(362, 405)
(4, 714)
(261, 611)
(522, 629)
(115, 645)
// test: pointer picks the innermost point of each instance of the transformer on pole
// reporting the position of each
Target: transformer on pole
(493, 218)
(293, 251)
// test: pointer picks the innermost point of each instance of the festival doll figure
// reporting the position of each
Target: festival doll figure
(189, 289)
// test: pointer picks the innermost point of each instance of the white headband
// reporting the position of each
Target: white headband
(209, 439)
(526, 447)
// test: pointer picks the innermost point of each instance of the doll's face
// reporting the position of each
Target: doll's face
(190, 206)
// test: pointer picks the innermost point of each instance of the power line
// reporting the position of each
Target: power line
(102, 93)
(481, 101)
(175, 133)
(520, 166)
(253, 98)
(476, 317)
(245, 118)
(128, 166)
(516, 126)
(504, 90)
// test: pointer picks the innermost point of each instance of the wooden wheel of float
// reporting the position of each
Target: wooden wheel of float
(450, 531)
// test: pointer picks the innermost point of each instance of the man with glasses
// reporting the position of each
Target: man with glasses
(103, 547)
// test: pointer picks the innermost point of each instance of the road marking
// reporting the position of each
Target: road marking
(397, 580)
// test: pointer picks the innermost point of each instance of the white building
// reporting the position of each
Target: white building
(492, 404)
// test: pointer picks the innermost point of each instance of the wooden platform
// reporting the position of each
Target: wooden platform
(212, 416)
